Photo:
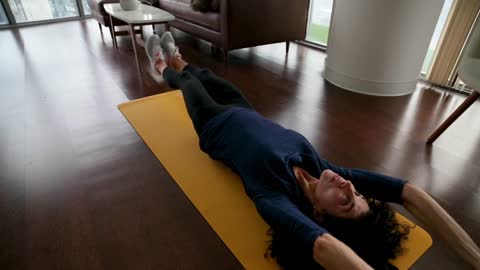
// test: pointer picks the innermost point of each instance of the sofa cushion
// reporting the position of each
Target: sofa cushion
(201, 5)
(216, 5)
(183, 10)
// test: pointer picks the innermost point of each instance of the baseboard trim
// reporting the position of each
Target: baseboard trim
(367, 87)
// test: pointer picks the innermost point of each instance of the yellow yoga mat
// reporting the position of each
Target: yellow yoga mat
(163, 123)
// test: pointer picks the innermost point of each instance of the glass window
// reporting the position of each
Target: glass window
(39, 10)
(319, 21)
(436, 35)
(3, 16)
(86, 8)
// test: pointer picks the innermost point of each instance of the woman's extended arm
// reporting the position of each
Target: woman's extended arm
(328, 251)
(332, 254)
(427, 210)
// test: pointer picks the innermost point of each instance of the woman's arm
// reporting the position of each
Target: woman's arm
(427, 210)
(329, 252)
(332, 254)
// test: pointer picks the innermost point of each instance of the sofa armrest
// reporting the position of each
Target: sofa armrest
(97, 6)
(249, 23)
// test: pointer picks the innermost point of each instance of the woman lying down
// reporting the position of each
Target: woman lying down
(320, 215)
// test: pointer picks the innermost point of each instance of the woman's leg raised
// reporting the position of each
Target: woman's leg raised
(221, 90)
(200, 105)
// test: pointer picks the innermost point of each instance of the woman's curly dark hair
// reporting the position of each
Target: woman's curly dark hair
(375, 238)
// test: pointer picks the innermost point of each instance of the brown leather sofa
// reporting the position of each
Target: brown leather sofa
(242, 23)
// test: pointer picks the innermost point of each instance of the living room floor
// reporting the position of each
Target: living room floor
(80, 190)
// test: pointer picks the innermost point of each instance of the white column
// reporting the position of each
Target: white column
(377, 47)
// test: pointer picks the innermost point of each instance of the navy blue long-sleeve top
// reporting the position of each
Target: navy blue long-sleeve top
(263, 153)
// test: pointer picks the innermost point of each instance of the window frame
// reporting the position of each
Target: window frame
(12, 23)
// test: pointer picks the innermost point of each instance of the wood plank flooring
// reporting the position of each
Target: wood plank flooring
(80, 190)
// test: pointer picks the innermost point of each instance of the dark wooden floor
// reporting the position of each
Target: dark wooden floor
(80, 190)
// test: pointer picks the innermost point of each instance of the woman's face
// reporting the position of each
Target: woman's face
(333, 195)
(338, 197)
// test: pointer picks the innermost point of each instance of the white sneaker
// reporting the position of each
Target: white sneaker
(168, 45)
(153, 49)
(154, 52)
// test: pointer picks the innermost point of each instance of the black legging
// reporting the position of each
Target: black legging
(205, 94)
